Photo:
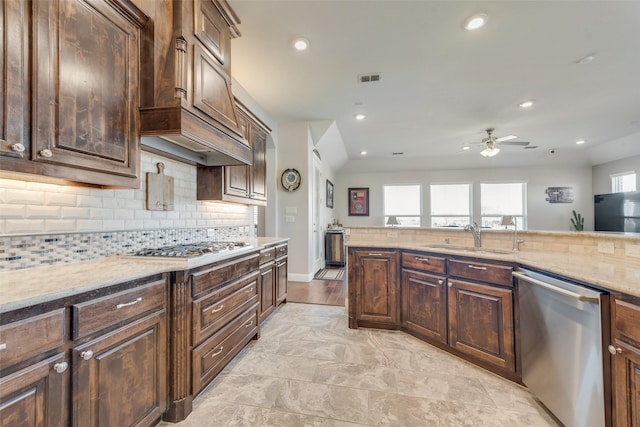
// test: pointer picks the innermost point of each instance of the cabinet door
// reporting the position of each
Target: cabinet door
(424, 305)
(481, 322)
(119, 379)
(236, 178)
(267, 291)
(86, 65)
(626, 386)
(258, 171)
(14, 67)
(281, 280)
(377, 295)
(36, 396)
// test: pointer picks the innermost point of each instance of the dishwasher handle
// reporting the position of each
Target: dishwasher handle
(555, 289)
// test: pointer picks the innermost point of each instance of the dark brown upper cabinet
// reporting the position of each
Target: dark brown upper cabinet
(240, 184)
(186, 84)
(84, 62)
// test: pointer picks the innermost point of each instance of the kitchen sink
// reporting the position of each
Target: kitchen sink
(468, 249)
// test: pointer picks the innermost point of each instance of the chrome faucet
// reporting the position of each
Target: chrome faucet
(476, 233)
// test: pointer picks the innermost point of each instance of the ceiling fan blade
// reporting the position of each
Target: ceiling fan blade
(520, 143)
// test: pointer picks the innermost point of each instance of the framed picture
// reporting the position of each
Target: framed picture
(329, 194)
(358, 202)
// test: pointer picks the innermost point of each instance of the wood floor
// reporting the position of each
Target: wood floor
(325, 292)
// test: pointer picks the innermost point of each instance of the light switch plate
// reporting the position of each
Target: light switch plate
(291, 210)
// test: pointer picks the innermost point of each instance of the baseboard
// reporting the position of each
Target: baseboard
(300, 277)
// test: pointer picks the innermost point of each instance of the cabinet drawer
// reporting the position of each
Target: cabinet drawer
(25, 338)
(418, 261)
(94, 315)
(211, 356)
(211, 312)
(267, 255)
(203, 281)
(281, 251)
(627, 322)
(491, 273)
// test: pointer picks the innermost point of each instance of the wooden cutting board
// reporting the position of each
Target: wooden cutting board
(159, 190)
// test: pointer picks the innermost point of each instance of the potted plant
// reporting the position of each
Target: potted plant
(577, 222)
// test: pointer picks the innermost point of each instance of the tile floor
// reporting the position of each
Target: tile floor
(309, 369)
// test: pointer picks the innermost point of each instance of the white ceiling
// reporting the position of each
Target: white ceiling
(442, 85)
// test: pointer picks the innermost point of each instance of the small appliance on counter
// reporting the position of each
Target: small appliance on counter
(334, 247)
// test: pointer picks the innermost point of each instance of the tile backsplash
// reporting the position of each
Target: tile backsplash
(48, 223)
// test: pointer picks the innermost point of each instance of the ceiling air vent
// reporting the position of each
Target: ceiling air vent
(370, 78)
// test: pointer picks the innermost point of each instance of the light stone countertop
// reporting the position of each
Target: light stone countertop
(613, 274)
(27, 287)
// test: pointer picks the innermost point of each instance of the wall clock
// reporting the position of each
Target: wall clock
(290, 179)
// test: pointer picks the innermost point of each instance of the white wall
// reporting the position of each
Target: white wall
(602, 173)
(541, 214)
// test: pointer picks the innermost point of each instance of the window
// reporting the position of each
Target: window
(403, 202)
(498, 199)
(450, 205)
(622, 182)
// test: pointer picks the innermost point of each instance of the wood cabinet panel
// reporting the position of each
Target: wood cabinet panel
(424, 305)
(37, 395)
(86, 88)
(423, 262)
(267, 290)
(207, 279)
(45, 332)
(481, 322)
(373, 279)
(485, 272)
(98, 314)
(124, 369)
(625, 363)
(282, 281)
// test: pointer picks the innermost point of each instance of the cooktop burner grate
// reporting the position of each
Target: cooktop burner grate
(191, 250)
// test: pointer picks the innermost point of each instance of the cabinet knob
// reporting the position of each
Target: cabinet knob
(46, 153)
(86, 355)
(18, 148)
(614, 350)
(60, 367)
(440, 281)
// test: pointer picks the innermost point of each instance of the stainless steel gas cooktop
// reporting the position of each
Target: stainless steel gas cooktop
(192, 250)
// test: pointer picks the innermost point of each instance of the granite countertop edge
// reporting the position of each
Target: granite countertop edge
(33, 286)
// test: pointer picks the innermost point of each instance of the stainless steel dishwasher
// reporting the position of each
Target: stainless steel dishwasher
(561, 347)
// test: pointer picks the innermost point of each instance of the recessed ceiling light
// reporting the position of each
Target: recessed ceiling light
(466, 148)
(580, 141)
(359, 116)
(363, 153)
(526, 104)
(475, 21)
(301, 43)
(586, 59)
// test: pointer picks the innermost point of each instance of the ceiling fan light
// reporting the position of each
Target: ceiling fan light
(475, 21)
(490, 152)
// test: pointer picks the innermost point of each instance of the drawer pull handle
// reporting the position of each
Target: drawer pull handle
(3, 346)
(614, 350)
(477, 268)
(440, 281)
(86, 355)
(281, 264)
(127, 304)
(375, 254)
(249, 324)
(60, 367)
(422, 259)
(218, 352)
(249, 290)
(217, 309)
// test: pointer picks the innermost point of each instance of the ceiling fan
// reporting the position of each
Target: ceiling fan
(492, 143)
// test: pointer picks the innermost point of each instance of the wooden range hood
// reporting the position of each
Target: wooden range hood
(187, 107)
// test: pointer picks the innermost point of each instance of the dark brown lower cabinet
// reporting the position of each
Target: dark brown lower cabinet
(281, 280)
(374, 296)
(481, 322)
(267, 283)
(123, 369)
(37, 395)
(625, 362)
(424, 305)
